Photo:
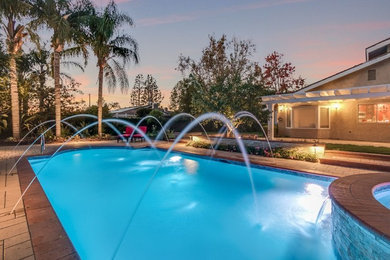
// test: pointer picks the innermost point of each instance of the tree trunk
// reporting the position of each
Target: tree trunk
(57, 91)
(100, 101)
(42, 81)
(14, 98)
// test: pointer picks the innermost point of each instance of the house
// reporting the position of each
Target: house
(131, 112)
(353, 104)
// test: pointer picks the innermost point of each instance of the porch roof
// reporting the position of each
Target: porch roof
(364, 92)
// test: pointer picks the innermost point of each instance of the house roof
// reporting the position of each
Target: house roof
(344, 73)
(377, 91)
(127, 109)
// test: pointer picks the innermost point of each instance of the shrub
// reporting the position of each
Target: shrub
(286, 153)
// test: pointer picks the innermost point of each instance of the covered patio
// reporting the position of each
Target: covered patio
(358, 113)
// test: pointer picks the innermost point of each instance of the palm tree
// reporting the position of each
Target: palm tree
(39, 65)
(64, 18)
(108, 46)
(10, 11)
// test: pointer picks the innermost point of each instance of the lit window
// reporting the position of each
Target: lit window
(383, 115)
(371, 74)
(324, 117)
(367, 113)
(288, 114)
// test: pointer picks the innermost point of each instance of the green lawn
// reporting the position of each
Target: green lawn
(358, 148)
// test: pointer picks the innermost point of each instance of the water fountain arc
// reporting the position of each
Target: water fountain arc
(239, 115)
(63, 120)
(29, 132)
(321, 211)
(143, 119)
(44, 123)
(173, 119)
(242, 114)
(212, 115)
(69, 139)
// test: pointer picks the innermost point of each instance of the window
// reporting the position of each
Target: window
(378, 52)
(371, 74)
(324, 117)
(383, 113)
(288, 119)
(374, 113)
(367, 113)
(304, 117)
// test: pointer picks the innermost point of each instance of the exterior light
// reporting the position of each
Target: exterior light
(195, 139)
(336, 106)
(318, 150)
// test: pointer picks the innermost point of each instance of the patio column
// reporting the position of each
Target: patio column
(271, 121)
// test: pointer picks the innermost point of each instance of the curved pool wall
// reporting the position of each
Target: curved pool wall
(382, 194)
(361, 223)
(196, 208)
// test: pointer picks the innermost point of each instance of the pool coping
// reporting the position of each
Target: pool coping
(48, 237)
(355, 195)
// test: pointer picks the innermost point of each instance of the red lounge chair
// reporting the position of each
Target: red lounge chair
(126, 134)
(138, 135)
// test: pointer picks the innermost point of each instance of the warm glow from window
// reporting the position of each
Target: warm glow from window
(374, 113)
(367, 113)
(383, 113)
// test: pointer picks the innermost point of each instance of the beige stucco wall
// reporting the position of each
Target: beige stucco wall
(344, 124)
(360, 78)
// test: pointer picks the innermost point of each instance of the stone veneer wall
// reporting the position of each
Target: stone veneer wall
(354, 241)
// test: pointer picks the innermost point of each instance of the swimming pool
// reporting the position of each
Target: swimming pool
(195, 208)
(383, 195)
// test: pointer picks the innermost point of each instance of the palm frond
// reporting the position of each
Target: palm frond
(110, 78)
(76, 51)
(121, 76)
(126, 54)
(75, 64)
(65, 76)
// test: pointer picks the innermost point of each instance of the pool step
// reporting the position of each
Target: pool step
(376, 162)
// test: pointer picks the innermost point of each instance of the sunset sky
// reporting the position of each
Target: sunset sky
(319, 37)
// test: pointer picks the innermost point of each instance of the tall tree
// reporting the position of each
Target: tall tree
(40, 66)
(11, 11)
(151, 93)
(181, 96)
(279, 75)
(225, 79)
(65, 19)
(110, 47)
(136, 93)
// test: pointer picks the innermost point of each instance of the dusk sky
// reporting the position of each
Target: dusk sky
(319, 37)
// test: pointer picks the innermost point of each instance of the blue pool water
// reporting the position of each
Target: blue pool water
(195, 208)
(383, 196)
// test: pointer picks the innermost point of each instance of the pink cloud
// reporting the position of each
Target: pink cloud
(83, 79)
(105, 2)
(169, 19)
(262, 4)
(165, 20)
